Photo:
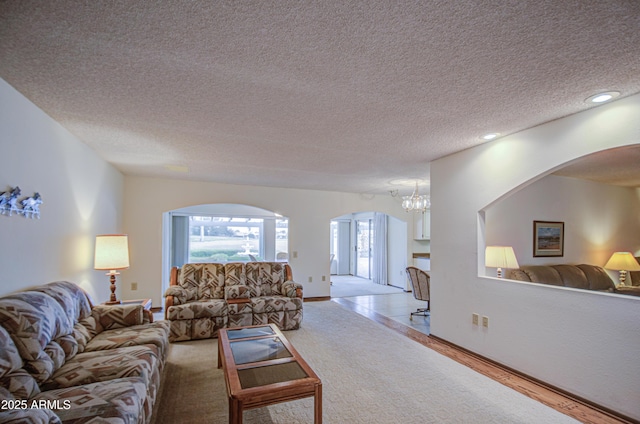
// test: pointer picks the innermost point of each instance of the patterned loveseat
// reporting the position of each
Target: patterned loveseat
(204, 297)
(64, 360)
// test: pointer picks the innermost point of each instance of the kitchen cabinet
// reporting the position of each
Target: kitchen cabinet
(422, 225)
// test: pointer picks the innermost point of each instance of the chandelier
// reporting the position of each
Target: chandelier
(416, 202)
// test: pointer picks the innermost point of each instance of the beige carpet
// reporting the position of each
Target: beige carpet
(370, 374)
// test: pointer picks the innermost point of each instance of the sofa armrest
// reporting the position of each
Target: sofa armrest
(168, 302)
(173, 299)
(292, 289)
(119, 316)
(147, 316)
(178, 295)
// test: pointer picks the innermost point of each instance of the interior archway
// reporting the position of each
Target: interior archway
(356, 242)
(596, 197)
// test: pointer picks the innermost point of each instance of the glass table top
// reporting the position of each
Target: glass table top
(270, 374)
(257, 350)
(243, 333)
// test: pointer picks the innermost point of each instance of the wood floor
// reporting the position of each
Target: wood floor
(564, 403)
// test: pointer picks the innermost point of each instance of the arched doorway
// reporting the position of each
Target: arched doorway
(367, 248)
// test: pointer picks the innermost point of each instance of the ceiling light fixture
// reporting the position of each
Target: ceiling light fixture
(490, 136)
(416, 202)
(603, 97)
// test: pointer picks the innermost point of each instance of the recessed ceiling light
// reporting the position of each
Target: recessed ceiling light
(603, 97)
(177, 168)
(490, 136)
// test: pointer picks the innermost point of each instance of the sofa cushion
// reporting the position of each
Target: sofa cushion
(285, 312)
(155, 333)
(116, 401)
(40, 330)
(597, 277)
(191, 310)
(518, 274)
(211, 285)
(76, 304)
(202, 281)
(240, 314)
(119, 316)
(17, 382)
(543, 275)
(29, 416)
(266, 304)
(237, 292)
(235, 274)
(572, 276)
(71, 298)
(106, 365)
(206, 328)
(265, 278)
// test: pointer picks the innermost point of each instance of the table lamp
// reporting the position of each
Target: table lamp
(500, 257)
(112, 253)
(623, 262)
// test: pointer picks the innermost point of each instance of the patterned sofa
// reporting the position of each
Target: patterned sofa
(63, 360)
(204, 297)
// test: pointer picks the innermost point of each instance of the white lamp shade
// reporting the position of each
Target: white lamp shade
(112, 252)
(622, 261)
(500, 257)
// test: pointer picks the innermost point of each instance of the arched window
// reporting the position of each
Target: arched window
(223, 233)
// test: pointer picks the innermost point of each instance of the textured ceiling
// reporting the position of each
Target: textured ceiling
(619, 167)
(348, 96)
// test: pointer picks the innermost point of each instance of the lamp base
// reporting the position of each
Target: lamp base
(623, 278)
(112, 279)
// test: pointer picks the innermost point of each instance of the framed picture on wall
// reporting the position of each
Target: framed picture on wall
(548, 238)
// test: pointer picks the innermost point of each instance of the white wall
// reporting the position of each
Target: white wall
(82, 197)
(599, 219)
(583, 342)
(396, 247)
(309, 213)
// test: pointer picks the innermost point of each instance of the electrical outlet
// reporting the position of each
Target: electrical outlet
(485, 322)
(475, 318)
(295, 254)
(134, 286)
(311, 279)
(324, 278)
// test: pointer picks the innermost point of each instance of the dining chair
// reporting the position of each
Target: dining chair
(420, 282)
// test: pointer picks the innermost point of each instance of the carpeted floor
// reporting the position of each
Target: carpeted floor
(370, 374)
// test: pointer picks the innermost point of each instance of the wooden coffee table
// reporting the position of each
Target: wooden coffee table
(262, 368)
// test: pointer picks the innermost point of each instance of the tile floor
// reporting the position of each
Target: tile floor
(391, 302)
